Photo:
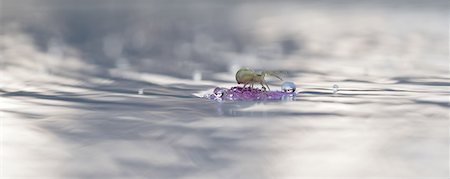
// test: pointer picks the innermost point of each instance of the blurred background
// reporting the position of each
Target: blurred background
(108, 88)
(179, 38)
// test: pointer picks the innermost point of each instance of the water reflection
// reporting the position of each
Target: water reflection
(110, 89)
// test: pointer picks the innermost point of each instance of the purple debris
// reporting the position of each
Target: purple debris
(247, 94)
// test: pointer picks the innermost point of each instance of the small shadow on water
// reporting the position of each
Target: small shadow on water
(436, 103)
(422, 81)
(25, 115)
(74, 99)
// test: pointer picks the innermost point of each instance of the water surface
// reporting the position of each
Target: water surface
(71, 74)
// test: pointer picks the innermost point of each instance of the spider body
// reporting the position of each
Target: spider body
(247, 76)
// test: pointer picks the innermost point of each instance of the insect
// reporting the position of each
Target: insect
(247, 76)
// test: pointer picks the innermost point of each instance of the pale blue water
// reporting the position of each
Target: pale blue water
(113, 90)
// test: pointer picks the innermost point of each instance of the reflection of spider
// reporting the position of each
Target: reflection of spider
(247, 76)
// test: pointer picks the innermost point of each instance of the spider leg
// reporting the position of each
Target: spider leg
(266, 85)
(263, 87)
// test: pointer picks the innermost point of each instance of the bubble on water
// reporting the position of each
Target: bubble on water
(288, 87)
(335, 88)
(141, 91)
(197, 76)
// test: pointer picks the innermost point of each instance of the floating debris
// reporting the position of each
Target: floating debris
(249, 94)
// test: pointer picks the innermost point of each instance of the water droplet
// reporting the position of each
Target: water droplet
(141, 91)
(219, 92)
(335, 88)
(288, 87)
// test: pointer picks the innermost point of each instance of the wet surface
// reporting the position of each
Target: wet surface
(68, 112)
